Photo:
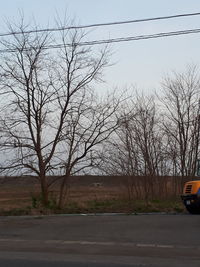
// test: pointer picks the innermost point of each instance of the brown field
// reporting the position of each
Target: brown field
(94, 194)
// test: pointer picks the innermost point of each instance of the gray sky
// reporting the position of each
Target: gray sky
(141, 63)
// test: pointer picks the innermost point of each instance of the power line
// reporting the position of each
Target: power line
(99, 24)
(142, 37)
(115, 40)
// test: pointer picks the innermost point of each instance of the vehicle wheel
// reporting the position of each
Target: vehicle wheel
(193, 210)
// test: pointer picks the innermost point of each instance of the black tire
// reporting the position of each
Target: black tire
(193, 210)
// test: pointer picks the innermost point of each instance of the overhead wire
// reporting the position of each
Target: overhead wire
(100, 24)
(110, 40)
(114, 40)
(141, 37)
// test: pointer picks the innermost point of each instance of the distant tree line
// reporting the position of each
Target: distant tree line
(159, 135)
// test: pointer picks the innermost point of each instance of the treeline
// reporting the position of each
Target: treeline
(158, 135)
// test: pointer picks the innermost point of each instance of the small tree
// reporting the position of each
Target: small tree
(138, 149)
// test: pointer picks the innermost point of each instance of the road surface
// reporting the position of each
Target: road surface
(121, 240)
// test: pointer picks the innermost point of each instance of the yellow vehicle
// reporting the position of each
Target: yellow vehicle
(191, 196)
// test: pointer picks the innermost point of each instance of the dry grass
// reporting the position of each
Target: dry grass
(82, 199)
(12, 196)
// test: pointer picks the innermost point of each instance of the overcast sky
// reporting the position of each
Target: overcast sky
(142, 63)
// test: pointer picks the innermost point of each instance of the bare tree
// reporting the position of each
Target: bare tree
(140, 138)
(138, 149)
(181, 99)
(91, 123)
(50, 119)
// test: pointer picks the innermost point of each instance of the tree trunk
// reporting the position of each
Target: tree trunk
(44, 190)
(62, 193)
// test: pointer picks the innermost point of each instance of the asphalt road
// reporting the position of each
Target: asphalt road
(77, 241)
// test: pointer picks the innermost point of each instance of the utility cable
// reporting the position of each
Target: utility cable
(114, 40)
(100, 24)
